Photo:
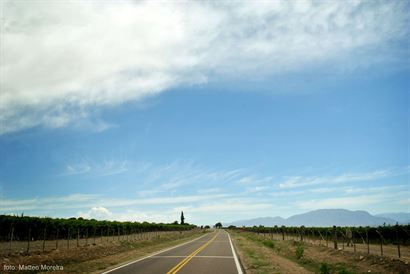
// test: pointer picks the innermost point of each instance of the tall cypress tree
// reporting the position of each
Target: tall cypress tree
(182, 218)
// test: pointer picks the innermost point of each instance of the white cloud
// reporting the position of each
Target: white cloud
(376, 189)
(354, 202)
(89, 200)
(209, 211)
(405, 202)
(98, 213)
(76, 169)
(147, 193)
(63, 202)
(256, 189)
(181, 174)
(353, 189)
(161, 200)
(287, 193)
(368, 200)
(301, 181)
(105, 168)
(252, 180)
(200, 209)
(113, 167)
(223, 206)
(59, 58)
(146, 216)
(225, 209)
(323, 190)
(209, 190)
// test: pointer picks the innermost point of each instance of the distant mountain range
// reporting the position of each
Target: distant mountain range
(329, 217)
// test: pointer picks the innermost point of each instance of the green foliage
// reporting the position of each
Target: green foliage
(268, 243)
(218, 225)
(299, 251)
(324, 268)
(344, 271)
(64, 228)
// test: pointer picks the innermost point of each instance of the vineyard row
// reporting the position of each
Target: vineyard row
(14, 228)
(397, 235)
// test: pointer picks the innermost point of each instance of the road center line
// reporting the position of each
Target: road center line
(214, 241)
(181, 264)
(218, 257)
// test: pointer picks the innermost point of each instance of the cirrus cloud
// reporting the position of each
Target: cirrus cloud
(61, 58)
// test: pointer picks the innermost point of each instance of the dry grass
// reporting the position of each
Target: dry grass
(389, 250)
(20, 247)
(313, 257)
(260, 256)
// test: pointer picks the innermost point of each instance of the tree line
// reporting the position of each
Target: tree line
(388, 234)
(22, 228)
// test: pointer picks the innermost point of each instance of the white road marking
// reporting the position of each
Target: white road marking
(153, 254)
(238, 266)
(214, 241)
(218, 257)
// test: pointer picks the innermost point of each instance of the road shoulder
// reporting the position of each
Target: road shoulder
(257, 258)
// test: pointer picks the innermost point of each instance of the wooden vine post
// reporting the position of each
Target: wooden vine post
(101, 231)
(367, 242)
(354, 244)
(28, 239)
(57, 239)
(313, 236)
(68, 238)
(11, 237)
(397, 240)
(321, 238)
(78, 236)
(44, 238)
(381, 242)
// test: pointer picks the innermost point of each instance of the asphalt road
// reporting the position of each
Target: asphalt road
(211, 253)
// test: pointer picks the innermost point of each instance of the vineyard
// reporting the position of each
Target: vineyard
(383, 240)
(26, 234)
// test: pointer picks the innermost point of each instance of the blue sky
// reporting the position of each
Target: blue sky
(136, 111)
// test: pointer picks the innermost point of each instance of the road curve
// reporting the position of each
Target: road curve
(211, 253)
